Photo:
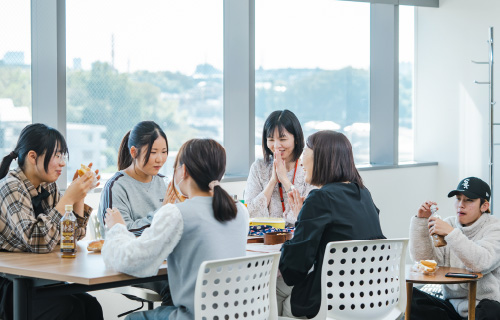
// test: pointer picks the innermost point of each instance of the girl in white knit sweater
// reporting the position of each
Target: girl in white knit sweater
(473, 242)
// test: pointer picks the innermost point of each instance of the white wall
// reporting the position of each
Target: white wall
(451, 115)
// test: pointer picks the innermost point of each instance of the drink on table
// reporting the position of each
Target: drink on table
(437, 239)
(68, 233)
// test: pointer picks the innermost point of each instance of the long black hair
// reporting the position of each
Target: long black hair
(143, 134)
(205, 161)
(287, 120)
(37, 137)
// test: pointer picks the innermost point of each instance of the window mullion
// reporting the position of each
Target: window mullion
(48, 65)
(239, 85)
(384, 83)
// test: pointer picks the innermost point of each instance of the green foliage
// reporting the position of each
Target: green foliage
(103, 96)
(15, 84)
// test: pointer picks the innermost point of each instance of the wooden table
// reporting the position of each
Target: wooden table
(31, 273)
(439, 278)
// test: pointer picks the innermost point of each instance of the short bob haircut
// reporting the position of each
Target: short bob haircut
(287, 120)
(333, 159)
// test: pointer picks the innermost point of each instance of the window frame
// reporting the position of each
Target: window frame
(48, 56)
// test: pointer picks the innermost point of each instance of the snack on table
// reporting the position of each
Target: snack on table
(95, 245)
(426, 266)
(84, 169)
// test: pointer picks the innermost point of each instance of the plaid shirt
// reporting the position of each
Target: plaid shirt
(20, 229)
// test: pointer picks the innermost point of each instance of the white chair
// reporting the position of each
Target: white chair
(237, 288)
(363, 280)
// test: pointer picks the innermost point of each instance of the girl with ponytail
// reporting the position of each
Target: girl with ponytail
(31, 208)
(179, 231)
(137, 190)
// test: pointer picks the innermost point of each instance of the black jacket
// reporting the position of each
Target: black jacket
(336, 212)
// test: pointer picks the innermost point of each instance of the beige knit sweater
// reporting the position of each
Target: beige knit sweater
(476, 248)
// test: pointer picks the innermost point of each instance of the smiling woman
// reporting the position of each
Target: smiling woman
(31, 209)
(271, 178)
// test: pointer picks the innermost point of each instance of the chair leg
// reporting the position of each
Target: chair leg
(151, 305)
(134, 310)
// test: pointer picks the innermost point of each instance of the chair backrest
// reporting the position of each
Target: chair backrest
(237, 288)
(364, 280)
(95, 226)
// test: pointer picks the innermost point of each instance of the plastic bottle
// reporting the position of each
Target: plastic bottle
(437, 239)
(68, 233)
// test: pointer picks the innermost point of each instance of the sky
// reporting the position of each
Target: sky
(159, 35)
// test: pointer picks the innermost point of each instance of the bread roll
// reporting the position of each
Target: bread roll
(95, 245)
(83, 170)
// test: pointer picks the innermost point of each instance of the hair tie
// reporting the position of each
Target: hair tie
(13, 154)
(213, 184)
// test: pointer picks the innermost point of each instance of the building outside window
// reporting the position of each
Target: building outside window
(15, 72)
(149, 60)
(314, 59)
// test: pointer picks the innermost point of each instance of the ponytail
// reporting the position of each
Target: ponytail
(144, 134)
(7, 160)
(37, 137)
(223, 205)
(124, 157)
(205, 161)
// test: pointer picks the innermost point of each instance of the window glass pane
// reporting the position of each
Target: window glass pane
(313, 58)
(141, 60)
(406, 65)
(15, 72)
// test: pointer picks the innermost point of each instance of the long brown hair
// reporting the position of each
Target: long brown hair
(333, 159)
(205, 161)
(143, 134)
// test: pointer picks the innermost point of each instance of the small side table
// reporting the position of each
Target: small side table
(439, 278)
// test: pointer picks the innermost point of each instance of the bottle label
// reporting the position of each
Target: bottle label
(68, 243)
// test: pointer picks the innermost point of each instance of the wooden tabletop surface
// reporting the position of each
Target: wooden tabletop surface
(87, 268)
(439, 276)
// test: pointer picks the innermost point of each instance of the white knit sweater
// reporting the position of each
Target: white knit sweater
(476, 248)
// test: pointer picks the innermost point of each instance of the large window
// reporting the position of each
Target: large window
(149, 60)
(406, 66)
(15, 72)
(314, 59)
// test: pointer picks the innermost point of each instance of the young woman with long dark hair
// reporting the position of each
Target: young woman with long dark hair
(209, 225)
(271, 178)
(31, 208)
(137, 190)
(341, 209)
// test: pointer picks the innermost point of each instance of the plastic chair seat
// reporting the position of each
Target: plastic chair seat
(238, 288)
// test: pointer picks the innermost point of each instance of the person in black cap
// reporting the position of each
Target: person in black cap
(473, 242)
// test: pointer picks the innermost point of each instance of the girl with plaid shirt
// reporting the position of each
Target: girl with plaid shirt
(31, 208)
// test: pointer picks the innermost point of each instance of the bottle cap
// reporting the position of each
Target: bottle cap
(68, 207)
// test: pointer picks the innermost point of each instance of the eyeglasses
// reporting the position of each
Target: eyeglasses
(61, 157)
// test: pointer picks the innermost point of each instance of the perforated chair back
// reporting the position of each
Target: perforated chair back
(364, 280)
(95, 226)
(237, 288)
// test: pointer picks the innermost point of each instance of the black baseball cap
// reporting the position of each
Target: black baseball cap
(472, 188)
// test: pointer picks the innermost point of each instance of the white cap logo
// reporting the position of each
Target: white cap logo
(466, 184)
